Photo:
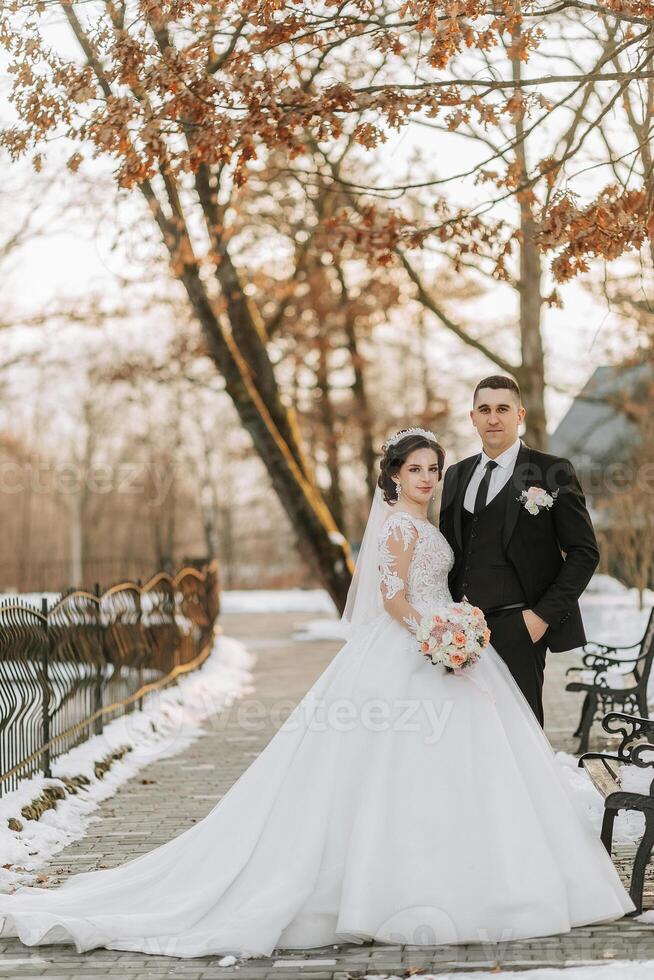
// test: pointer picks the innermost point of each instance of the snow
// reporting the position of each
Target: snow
(319, 629)
(30, 598)
(170, 720)
(605, 584)
(614, 617)
(618, 970)
(276, 601)
(615, 677)
(629, 825)
(611, 614)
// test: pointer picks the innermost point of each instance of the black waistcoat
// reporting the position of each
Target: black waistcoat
(485, 576)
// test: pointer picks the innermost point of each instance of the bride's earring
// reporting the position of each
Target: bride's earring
(399, 489)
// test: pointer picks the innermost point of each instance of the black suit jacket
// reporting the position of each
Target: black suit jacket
(553, 552)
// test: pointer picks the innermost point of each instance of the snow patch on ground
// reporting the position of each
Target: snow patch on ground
(629, 825)
(30, 598)
(619, 970)
(606, 584)
(170, 720)
(319, 629)
(276, 601)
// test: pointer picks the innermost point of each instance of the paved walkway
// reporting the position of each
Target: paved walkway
(168, 796)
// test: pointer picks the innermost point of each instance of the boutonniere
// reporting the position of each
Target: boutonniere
(535, 499)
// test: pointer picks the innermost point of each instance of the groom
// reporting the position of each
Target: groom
(525, 567)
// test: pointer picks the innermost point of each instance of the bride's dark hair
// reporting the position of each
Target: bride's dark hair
(396, 455)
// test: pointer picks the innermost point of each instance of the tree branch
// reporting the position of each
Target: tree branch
(427, 300)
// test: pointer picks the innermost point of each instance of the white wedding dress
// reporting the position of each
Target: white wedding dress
(397, 803)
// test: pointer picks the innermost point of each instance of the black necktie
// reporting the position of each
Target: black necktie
(482, 492)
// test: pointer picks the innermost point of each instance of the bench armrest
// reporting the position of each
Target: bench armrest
(635, 732)
(599, 661)
(593, 647)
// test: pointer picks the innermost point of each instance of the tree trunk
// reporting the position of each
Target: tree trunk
(25, 551)
(248, 328)
(326, 413)
(163, 531)
(428, 391)
(209, 512)
(228, 551)
(76, 511)
(319, 540)
(359, 390)
(531, 374)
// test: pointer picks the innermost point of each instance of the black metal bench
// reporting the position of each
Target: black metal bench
(604, 771)
(601, 695)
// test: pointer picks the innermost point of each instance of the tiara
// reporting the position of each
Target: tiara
(409, 432)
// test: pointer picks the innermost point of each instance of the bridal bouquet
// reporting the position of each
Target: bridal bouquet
(454, 636)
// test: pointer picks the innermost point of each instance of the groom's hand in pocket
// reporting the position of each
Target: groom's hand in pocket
(534, 624)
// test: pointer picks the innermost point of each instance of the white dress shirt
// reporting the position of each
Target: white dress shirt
(500, 475)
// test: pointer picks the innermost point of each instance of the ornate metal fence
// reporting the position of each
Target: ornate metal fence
(68, 669)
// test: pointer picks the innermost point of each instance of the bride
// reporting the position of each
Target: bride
(398, 803)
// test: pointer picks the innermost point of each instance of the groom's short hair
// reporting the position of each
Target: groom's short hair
(498, 381)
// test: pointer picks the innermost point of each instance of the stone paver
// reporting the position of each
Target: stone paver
(181, 790)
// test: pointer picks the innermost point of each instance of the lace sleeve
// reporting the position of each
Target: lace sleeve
(396, 546)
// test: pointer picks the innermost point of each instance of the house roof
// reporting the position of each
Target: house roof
(596, 427)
